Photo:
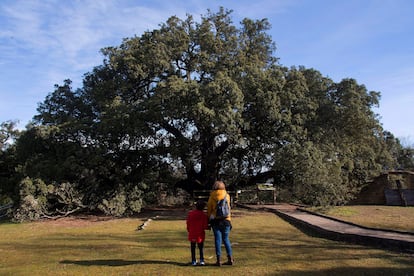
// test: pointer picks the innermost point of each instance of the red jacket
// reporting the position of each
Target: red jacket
(197, 222)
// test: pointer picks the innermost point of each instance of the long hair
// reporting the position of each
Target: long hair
(219, 185)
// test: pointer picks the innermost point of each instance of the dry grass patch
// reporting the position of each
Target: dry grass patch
(385, 217)
(263, 244)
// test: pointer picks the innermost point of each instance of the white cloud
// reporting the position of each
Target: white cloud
(73, 32)
(44, 42)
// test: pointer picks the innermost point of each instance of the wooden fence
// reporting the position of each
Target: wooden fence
(263, 194)
(4, 209)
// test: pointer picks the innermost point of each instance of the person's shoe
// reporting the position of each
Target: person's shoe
(230, 261)
(202, 262)
(193, 263)
(218, 263)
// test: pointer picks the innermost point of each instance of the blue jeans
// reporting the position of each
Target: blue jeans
(221, 234)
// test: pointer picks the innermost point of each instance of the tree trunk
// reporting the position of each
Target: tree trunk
(211, 161)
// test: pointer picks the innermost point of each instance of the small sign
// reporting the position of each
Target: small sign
(265, 187)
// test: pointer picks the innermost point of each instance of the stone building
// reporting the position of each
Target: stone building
(391, 188)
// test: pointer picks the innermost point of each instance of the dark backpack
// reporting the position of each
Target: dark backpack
(223, 208)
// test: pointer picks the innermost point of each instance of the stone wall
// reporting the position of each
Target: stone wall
(391, 188)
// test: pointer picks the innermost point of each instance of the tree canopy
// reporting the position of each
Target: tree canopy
(195, 101)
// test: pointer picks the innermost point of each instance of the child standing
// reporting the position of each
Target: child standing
(197, 223)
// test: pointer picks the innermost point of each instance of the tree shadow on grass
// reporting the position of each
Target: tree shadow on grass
(120, 262)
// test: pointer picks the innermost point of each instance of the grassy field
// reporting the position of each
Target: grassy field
(385, 217)
(263, 244)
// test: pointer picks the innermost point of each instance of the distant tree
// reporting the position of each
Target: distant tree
(8, 134)
(406, 158)
(403, 155)
(8, 187)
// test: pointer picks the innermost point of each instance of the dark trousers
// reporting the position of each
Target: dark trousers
(200, 248)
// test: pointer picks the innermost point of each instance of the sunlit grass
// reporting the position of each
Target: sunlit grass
(386, 217)
(263, 244)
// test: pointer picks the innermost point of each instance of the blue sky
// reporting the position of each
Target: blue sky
(43, 42)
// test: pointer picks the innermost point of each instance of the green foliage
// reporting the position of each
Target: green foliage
(8, 162)
(403, 156)
(8, 134)
(114, 206)
(406, 158)
(135, 199)
(33, 199)
(39, 200)
(312, 175)
(65, 197)
(334, 142)
(126, 200)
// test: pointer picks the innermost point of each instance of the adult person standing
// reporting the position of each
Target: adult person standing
(221, 226)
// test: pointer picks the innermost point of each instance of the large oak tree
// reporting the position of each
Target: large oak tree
(194, 101)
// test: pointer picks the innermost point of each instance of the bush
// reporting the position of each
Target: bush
(33, 199)
(134, 199)
(29, 210)
(38, 200)
(126, 200)
(66, 197)
(114, 206)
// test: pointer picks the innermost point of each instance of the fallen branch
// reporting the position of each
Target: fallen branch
(62, 214)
